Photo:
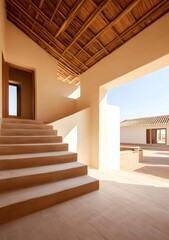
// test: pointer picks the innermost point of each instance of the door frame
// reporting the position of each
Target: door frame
(5, 84)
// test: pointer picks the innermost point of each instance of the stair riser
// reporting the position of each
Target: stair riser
(21, 209)
(36, 161)
(8, 150)
(29, 139)
(27, 132)
(26, 121)
(25, 126)
(33, 180)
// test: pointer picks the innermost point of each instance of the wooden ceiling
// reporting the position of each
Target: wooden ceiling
(79, 33)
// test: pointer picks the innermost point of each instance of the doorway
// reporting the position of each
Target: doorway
(14, 99)
(18, 92)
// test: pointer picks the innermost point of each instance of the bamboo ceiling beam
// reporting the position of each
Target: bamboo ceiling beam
(70, 17)
(37, 10)
(40, 5)
(73, 80)
(68, 36)
(37, 14)
(112, 29)
(106, 20)
(122, 14)
(47, 20)
(95, 56)
(113, 22)
(57, 6)
(88, 22)
(67, 69)
(155, 10)
(101, 45)
(18, 5)
(67, 78)
(48, 35)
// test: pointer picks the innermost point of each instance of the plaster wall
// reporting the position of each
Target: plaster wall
(2, 43)
(51, 100)
(146, 52)
(133, 135)
(75, 130)
(138, 134)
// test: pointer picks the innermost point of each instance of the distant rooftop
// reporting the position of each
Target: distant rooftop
(138, 122)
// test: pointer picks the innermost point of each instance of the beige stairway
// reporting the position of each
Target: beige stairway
(36, 169)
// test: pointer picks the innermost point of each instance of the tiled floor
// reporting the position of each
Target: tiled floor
(128, 206)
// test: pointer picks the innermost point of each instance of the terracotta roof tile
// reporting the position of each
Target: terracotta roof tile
(145, 121)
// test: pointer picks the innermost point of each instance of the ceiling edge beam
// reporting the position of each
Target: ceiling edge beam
(71, 15)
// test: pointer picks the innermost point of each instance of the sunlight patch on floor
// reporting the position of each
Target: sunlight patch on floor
(128, 178)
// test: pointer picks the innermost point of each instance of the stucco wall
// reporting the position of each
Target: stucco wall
(138, 134)
(133, 135)
(51, 95)
(2, 44)
(146, 52)
(75, 130)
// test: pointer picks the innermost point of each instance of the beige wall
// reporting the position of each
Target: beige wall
(2, 44)
(143, 54)
(51, 95)
(133, 135)
(75, 130)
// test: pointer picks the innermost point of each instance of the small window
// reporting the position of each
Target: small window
(14, 100)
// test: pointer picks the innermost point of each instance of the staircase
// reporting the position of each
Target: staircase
(36, 169)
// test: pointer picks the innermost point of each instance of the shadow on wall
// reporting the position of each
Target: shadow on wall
(75, 130)
(72, 138)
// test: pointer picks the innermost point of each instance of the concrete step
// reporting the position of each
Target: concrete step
(7, 149)
(36, 159)
(28, 177)
(17, 120)
(27, 132)
(29, 139)
(22, 202)
(25, 126)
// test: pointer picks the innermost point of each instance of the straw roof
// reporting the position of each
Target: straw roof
(79, 33)
(147, 121)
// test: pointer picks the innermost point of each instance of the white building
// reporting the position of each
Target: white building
(149, 130)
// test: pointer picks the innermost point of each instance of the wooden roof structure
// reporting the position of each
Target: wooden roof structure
(79, 33)
(147, 121)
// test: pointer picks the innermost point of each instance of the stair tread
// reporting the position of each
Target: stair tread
(29, 136)
(14, 173)
(31, 155)
(31, 144)
(28, 129)
(22, 195)
(18, 120)
(25, 125)
(29, 139)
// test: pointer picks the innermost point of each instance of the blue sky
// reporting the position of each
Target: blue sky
(12, 100)
(144, 97)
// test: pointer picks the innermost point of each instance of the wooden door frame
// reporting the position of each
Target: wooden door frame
(5, 84)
